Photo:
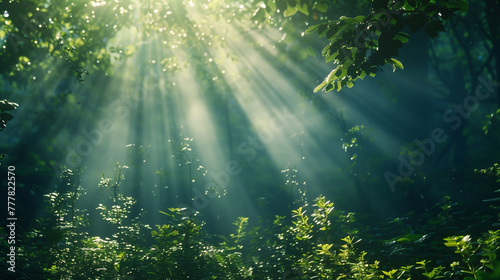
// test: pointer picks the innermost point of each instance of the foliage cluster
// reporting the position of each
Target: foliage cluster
(314, 242)
(362, 44)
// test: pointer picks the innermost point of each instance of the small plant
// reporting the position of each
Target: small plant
(127, 239)
(491, 171)
(435, 273)
(179, 252)
(478, 258)
(492, 121)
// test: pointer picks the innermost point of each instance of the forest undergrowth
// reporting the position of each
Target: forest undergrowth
(315, 241)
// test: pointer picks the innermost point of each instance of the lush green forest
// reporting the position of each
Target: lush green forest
(228, 139)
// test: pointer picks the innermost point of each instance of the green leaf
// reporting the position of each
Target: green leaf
(416, 22)
(431, 30)
(281, 5)
(438, 25)
(347, 20)
(325, 249)
(164, 213)
(329, 87)
(312, 29)
(259, 15)
(362, 75)
(463, 6)
(290, 11)
(322, 28)
(450, 243)
(429, 275)
(402, 37)
(304, 8)
(360, 18)
(320, 86)
(332, 76)
(6, 116)
(121, 254)
(390, 273)
(326, 50)
(322, 7)
(410, 238)
(334, 32)
(423, 262)
(270, 6)
(330, 58)
(397, 63)
(7, 106)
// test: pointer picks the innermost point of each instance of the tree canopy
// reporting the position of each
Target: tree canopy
(79, 33)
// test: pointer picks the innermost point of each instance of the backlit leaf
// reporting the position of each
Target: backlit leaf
(397, 63)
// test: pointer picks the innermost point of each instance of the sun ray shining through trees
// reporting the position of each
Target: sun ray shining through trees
(227, 139)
